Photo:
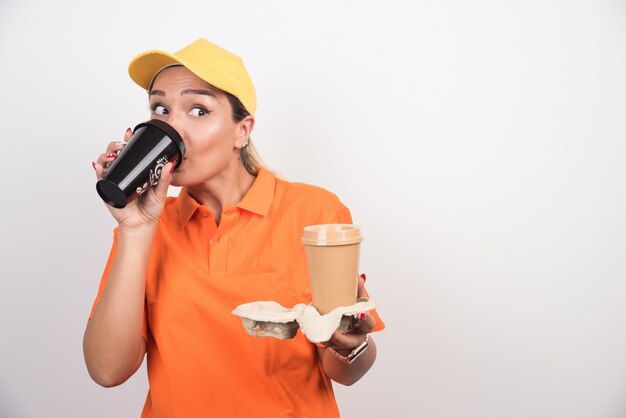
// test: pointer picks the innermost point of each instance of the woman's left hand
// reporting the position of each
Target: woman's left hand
(343, 343)
(338, 361)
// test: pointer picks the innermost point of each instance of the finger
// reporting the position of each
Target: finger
(105, 160)
(99, 170)
(113, 149)
(361, 292)
(110, 157)
(114, 146)
(365, 323)
(117, 146)
(164, 182)
(128, 134)
(345, 341)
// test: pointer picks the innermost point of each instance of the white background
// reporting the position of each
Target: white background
(479, 144)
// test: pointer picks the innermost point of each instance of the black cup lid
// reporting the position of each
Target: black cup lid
(169, 131)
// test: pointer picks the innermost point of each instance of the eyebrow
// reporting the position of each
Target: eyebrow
(188, 91)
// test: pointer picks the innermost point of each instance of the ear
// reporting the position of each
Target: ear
(244, 130)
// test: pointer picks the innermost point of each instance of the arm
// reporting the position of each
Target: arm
(347, 374)
(340, 345)
(113, 346)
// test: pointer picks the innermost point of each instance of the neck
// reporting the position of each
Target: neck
(228, 188)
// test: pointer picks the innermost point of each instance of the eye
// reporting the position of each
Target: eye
(159, 109)
(198, 111)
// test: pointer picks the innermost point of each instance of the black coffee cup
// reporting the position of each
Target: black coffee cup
(138, 166)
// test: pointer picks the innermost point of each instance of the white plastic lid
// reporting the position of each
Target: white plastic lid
(331, 234)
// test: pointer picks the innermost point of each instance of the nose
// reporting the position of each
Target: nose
(175, 122)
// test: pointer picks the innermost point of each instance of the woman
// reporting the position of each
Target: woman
(179, 266)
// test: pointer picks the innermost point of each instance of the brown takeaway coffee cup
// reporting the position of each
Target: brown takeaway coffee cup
(332, 256)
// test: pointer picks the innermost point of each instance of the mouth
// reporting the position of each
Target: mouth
(180, 164)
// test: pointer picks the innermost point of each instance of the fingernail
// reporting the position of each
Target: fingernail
(363, 277)
(111, 155)
(93, 164)
(172, 168)
(129, 130)
(362, 316)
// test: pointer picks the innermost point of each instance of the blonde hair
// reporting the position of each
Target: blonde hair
(250, 157)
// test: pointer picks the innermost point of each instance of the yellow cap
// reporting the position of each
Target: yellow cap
(208, 61)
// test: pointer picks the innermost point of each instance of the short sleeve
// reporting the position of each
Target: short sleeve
(103, 282)
(380, 325)
(342, 216)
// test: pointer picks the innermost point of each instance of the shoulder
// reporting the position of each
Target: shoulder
(308, 201)
(303, 192)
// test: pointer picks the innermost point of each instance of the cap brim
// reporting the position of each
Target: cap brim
(146, 65)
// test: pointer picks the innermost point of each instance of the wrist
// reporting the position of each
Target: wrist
(348, 356)
(134, 226)
(143, 231)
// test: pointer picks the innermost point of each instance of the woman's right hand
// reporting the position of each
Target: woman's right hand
(146, 209)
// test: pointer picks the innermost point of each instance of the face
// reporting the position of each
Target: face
(203, 117)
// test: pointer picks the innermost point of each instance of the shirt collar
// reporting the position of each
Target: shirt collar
(257, 200)
(187, 206)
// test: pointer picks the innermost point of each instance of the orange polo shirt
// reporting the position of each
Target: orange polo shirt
(201, 361)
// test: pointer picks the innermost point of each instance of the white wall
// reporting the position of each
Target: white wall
(480, 146)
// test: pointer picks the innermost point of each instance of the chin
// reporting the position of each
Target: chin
(175, 180)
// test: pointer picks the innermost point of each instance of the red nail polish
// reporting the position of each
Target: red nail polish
(93, 165)
(111, 155)
(362, 316)
(363, 277)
